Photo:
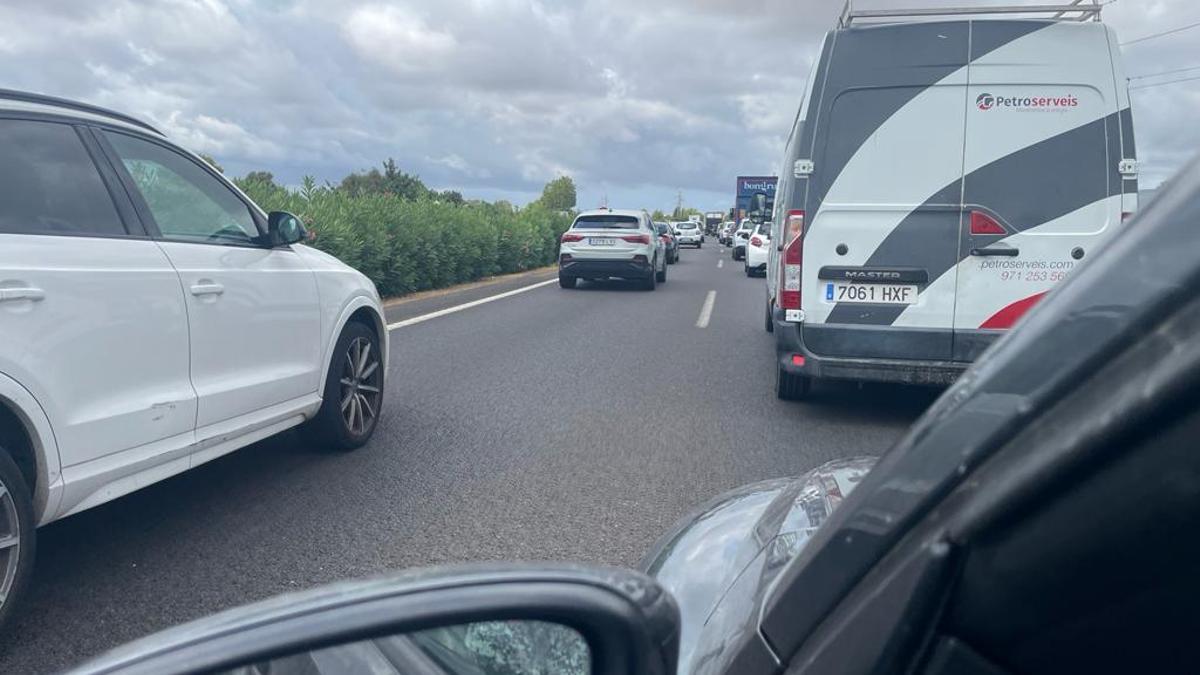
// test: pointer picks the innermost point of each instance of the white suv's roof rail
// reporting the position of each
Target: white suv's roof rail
(1079, 10)
(56, 102)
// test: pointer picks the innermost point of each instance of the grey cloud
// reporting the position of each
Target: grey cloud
(635, 99)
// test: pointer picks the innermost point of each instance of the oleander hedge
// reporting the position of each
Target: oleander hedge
(407, 245)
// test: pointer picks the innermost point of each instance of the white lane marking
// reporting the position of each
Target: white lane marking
(468, 305)
(720, 263)
(706, 310)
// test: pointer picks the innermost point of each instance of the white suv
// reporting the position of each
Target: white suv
(605, 243)
(152, 318)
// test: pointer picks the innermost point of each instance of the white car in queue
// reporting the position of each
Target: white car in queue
(154, 318)
(607, 243)
(741, 237)
(689, 233)
(758, 249)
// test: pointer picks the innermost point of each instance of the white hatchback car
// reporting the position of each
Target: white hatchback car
(758, 250)
(605, 243)
(689, 233)
(739, 239)
(153, 318)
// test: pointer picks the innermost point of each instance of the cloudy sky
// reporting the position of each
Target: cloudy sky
(635, 99)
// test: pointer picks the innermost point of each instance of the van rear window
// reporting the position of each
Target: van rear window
(606, 223)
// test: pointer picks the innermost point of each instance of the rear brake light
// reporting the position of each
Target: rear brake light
(637, 238)
(568, 238)
(793, 254)
(756, 241)
(797, 360)
(982, 223)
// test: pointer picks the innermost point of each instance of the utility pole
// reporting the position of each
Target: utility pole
(678, 205)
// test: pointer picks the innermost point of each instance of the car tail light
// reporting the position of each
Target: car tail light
(982, 223)
(568, 238)
(756, 241)
(797, 360)
(793, 255)
(637, 238)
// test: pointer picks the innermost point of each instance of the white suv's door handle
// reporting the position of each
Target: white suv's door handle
(207, 288)
(13, 294)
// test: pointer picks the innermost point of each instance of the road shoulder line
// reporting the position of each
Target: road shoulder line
(468, 305)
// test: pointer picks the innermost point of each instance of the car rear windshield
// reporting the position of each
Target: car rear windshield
(606, 223)
(687, 226)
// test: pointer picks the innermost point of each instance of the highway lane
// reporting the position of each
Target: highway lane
(550, 425)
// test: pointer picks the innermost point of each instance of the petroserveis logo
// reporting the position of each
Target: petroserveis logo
(986, 101)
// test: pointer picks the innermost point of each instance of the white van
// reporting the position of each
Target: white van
(939, 179)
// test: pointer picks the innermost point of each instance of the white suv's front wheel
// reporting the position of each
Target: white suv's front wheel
(353, 394)
(16, 535)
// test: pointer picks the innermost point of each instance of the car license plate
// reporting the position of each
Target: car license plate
(876, 294)
(602, 241)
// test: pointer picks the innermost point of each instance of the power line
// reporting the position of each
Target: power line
(1164, 72)
(1158, 35)
(1159, 84)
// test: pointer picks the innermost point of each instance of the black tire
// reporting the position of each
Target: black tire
(746, 266)
(18, 506)
(789, 387)
(661, 277)
(565, 281)
(770, 325)
(700, 245)
(330, 424)
(651, 280)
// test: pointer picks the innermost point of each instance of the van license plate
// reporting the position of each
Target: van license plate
(875, 294)
(602, 241)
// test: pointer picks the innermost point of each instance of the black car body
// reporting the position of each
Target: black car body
(1039, 518)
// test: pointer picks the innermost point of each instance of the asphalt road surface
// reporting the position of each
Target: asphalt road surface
(548, 425)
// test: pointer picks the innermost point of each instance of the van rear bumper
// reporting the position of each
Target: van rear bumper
(789, 342)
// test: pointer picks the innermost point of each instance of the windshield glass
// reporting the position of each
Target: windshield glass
(294, 292)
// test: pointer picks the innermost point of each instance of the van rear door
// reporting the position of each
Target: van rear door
(883, 205)
(1041, 189)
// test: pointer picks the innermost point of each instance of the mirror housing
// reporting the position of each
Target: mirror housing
(284, 229)
(629, 622)
(757, 213)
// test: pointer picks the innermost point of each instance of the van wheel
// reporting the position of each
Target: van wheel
(790, 387)
(565, 281)
(353, 395)
(770, 324)
(16, 536)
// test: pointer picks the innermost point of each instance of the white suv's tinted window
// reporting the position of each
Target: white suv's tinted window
(606, 222)
(187, 203)
(48, 183)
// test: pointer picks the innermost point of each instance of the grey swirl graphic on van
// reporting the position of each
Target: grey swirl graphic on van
(985, 101)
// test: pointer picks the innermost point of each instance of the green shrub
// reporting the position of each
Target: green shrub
(407, 245)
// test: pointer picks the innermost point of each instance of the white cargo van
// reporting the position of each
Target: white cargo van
(940, 178)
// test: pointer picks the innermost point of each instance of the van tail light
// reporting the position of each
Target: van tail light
(756, 241)
(982, 223)
(637, 238)
(568, 238)
(793, 255)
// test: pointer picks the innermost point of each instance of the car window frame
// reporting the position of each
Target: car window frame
(142, 208)
(124, 208)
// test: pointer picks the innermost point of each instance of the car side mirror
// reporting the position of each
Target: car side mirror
(284, 228)
(473, 619)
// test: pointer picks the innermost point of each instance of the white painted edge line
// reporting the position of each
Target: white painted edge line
(720, 263)
(706, 310)
(468, 305)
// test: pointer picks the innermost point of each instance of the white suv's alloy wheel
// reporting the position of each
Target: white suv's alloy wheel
(360, 387)
(10, 542)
